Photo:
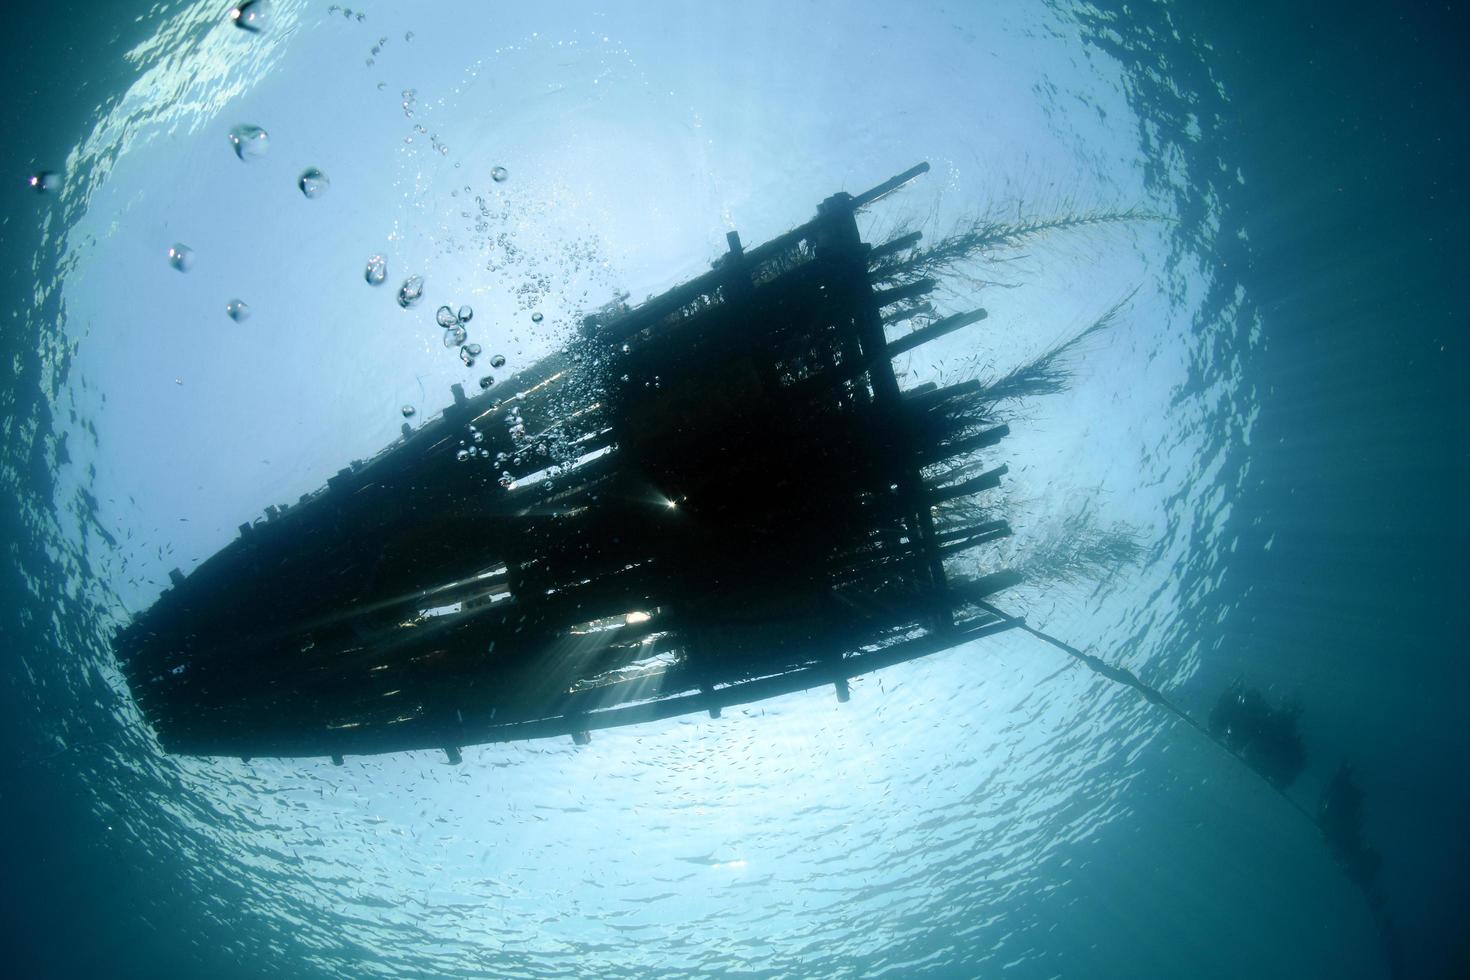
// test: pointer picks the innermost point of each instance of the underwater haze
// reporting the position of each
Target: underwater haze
(1247, 495)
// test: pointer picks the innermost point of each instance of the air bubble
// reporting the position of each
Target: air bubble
(249, 142)
(237, 310)
(465, 314)
(454, 336)
(486, 382)
(408, 411)
(467, 357)
(313, 182)
(536, 317)
(497, 361)
(377, 270)
(247, 16)
(45, 181)
(474, 349)
(181, 257)
(445, 317)
(411, 291)
(500, 175)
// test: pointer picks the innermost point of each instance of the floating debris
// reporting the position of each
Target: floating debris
(181, 257)
(409, 411)
(486, 382)
(445, 317)
(411, 291)
(237, 310)
(377, 270)
(45, 181)
(465, 313)
(248, 16)
(500, 175)
(454, 336)
(536, 317)
(497, 361)
(250, 142)
(313, 182)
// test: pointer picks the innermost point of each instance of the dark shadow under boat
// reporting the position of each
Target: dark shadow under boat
(719, 496)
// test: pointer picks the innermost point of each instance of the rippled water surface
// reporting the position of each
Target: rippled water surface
(202, 320)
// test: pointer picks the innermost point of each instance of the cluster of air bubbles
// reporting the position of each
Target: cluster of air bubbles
(181, 257)
(499, 174)
(250, 142)
(516, 426)
(376, 50)
(237, 310)
(472, 445)
(313, 182)
(409, 95)
(44, 181)
(347, 12)
(411, 291)
(455, 333)
(408, 411)
(377, 270)
(248, 16)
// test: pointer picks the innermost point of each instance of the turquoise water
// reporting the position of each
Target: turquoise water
(1277, 418)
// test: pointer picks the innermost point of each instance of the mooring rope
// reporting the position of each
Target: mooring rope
(1377, 902)
(1153, 695)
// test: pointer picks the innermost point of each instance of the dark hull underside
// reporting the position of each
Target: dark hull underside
(717, 497)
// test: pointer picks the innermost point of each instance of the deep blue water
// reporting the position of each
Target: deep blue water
(1279, 418)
